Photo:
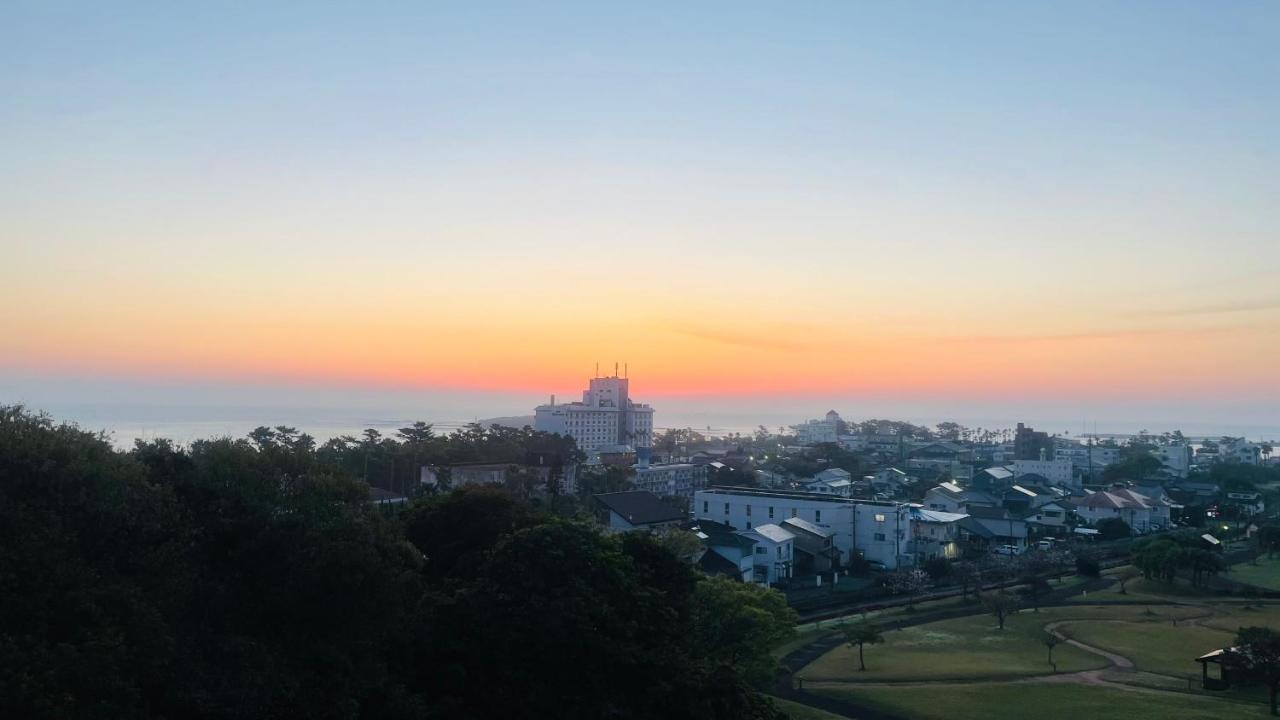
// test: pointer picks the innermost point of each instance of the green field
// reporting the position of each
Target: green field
(1004, 701)
(1158, 647)
(1266, 574)
(966, 648)
(803, 712)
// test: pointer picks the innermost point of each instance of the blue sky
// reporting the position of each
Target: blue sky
(249, 190)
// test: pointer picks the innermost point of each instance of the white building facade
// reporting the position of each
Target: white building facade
(606, 418)
(1056, 471)
(682, 479)
(880, 531)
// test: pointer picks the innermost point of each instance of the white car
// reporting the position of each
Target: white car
(1006, 550)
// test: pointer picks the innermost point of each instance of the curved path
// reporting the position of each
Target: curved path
(803, 656)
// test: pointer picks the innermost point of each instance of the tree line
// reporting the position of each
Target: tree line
(252, 578)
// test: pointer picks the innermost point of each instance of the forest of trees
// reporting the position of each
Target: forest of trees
(253, 579)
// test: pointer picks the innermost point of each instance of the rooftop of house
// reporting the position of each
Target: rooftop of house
(808, 527)
(640, 507)
(994, 527)
(989, 513)
(786, 494)
(769, 531)
(714, 563)
(935, 516)
(1118, 498)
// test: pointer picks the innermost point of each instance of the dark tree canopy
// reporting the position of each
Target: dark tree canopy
(253, 579)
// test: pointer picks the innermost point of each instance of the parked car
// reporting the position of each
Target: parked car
(1047, 543)
(1006, 550)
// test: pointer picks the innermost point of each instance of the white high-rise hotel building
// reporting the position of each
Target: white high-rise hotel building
(605, 419)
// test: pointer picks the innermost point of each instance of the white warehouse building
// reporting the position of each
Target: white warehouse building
(880, 531)
(606, 418)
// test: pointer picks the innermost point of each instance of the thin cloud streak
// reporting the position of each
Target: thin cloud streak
(1215, 309)
(754, 342)
(1099, 335)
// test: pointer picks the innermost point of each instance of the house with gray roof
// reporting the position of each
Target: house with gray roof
(774, 556)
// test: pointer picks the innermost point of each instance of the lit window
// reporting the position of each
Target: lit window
(879, 517)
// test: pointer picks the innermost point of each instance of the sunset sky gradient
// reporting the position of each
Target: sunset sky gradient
(970, 203)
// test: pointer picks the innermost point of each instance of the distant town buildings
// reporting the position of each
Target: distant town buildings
(1031, 445)
(816, 432)
(679, 479)
(607, 419)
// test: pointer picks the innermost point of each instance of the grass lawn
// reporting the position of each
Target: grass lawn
(971, 648)
(1143, 589)
(1158, 647)
(1266, 574)
(1238, 617)
(803, 712)
(964, 648)
(993, 701)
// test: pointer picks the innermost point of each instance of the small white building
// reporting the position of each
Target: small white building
(1175, 458)
(832, 481)
(1056, 471)
(883, 533)
(774, 552)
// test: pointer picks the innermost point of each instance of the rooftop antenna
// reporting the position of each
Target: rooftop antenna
(615, 368)
(626, 372)
(597, 369)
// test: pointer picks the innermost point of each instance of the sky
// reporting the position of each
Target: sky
(1063, 210)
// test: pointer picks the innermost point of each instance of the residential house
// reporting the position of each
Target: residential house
(832, 481)
(950, 497)
(815, 550)
(728, 553)
(1138, 511)
(636, 510)
(938, 456)
(1050, 519)
(774, 553)
(934, 534)
(1247, 504)
(988, 528)
(992, 479)
(883, 531)
(890, 482)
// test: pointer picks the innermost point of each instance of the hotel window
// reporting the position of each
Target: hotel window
(779, 551)
(748, 511)
(794, 512)
(705, 505)
(770, 512)
(879, 537)
(726, 508)
(817, 516)
(879, 517)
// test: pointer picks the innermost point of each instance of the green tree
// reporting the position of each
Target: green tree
(1258, 650)
(1000, 604)
(1113, 529)
(861, 634)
